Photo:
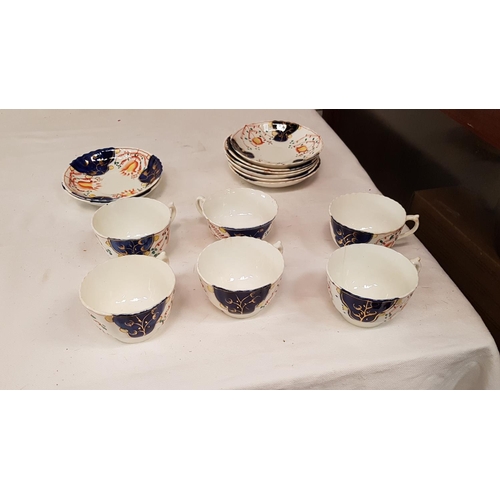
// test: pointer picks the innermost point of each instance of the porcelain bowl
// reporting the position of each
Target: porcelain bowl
(241, 275)
(238, 212)
(109, 174)
(129, 298)
(276, 143)
(368, 218)
(370, 284)
(134, 226)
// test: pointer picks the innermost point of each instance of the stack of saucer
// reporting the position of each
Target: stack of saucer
(274, 154)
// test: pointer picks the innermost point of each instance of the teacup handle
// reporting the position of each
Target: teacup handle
(416, 262)
(200, 201)
(164, 257)
(416, 223)
(279, 246)
(173, 211)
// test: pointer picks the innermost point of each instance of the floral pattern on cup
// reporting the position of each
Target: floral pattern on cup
(135, 325)
(369, 218)
(147, 245)
(364, 310)
(252, 210)
(387, 239)
(131, 247)
(143, 323)
(227, 232)
(241, 301)
(346, 236)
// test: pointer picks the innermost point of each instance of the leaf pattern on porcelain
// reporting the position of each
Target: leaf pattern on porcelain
(140, 324)
(346, 236)
(363, 309)
(140, 246)
(241, 301)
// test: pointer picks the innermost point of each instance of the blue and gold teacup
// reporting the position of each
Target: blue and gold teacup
(134, 226)
(240, 275)
(368, 218)
(238, 212)
(370, 284)
(129, 298)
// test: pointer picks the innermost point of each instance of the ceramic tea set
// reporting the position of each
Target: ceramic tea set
(130, 297)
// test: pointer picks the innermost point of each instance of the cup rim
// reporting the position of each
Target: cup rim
(389, 200)
(233, 241)
(111, 262)
(151, 201)
(374, 249)
(219, 194)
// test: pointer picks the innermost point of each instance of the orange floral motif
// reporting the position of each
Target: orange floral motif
(131, 168)
(127, 192)
(258, 141)
(131, 163)
(82, 182)
(301, 149)
(87, 183)
(254, 135)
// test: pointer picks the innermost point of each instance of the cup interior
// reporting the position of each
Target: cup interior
(240, 208)
(368, 212)
(372, 271)
(131, 218)
(240, 263)
(127, 285)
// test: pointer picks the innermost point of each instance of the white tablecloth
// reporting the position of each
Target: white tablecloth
(299, 341)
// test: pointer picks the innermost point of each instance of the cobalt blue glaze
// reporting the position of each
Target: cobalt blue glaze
(140, 324)
(364, 310)
(237, 148)
(132, 247)
(152, 172)
(241, 301)
(283, 130)
(254, 232)
(94, 163)
(347, 236)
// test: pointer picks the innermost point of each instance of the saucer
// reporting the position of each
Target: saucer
(268, 171)
(108, 174)
(272, 177)
(230, 151)
(279, 183)
(275, 143)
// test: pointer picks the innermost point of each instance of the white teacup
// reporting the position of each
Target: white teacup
(368, 218)
(241, 275)
(129, 298)
(238, 212)
(134, 226)
(370, 284)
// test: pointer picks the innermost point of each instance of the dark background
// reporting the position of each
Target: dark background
(445, 166)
